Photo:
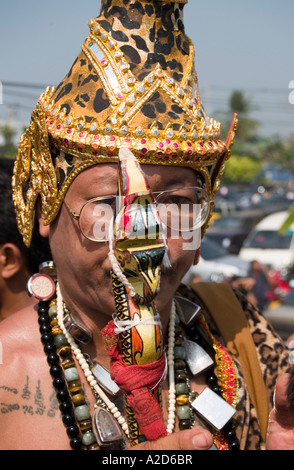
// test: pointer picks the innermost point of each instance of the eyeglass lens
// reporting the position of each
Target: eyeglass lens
(181, 210)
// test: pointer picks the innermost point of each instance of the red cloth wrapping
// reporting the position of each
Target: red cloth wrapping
(137, 381)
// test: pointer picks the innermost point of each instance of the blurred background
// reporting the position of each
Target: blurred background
(244, 61)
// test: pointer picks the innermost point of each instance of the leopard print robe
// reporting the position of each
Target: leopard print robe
(273, 357)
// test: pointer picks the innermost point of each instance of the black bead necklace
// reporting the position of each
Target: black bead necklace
(68, 392)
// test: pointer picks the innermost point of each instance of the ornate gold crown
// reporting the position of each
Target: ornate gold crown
(132, 85)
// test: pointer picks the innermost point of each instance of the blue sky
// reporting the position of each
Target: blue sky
(239, 45)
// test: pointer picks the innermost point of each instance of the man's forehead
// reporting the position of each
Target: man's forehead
(107, 173)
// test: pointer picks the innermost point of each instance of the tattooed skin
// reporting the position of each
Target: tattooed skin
(29, 400)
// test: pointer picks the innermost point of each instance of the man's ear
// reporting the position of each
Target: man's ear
(43, 229)
(11, 260)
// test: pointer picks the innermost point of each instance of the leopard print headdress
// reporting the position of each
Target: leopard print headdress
(133, 84)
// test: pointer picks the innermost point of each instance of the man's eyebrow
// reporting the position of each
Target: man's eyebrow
(103, 182)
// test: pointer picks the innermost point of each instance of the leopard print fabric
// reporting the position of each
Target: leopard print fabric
(147, 33)
(273, 357)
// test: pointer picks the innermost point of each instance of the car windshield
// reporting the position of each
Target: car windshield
(210, 250)
(270, 239)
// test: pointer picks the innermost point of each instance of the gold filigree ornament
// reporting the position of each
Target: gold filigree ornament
(34, 175)
(106, 103)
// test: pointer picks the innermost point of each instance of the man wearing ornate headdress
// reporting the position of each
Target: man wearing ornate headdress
(121, 165)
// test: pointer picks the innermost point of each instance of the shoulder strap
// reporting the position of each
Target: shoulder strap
(228, 315)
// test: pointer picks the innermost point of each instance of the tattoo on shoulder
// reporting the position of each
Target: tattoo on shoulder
(29, 400)
(26, 393)
(8, 389)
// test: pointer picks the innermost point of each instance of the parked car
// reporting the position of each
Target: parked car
(282, 316)
(216, 265)
(268, 245)
(231, 230)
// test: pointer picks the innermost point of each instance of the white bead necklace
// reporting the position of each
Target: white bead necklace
(85, 366)
(93, 382)
(170, 361)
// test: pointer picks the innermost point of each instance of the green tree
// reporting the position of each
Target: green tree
(277, 151)
(8, 148)
(241, 169)
(247, 127)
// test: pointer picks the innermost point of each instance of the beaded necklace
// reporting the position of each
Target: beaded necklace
(69, 391)
(93, 383)
(60, 346)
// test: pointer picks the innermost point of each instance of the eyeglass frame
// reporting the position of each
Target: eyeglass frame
(77, 216)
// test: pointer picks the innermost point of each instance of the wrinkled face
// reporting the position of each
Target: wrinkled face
(83, 266)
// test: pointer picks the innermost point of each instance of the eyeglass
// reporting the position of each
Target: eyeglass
(181, 210)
